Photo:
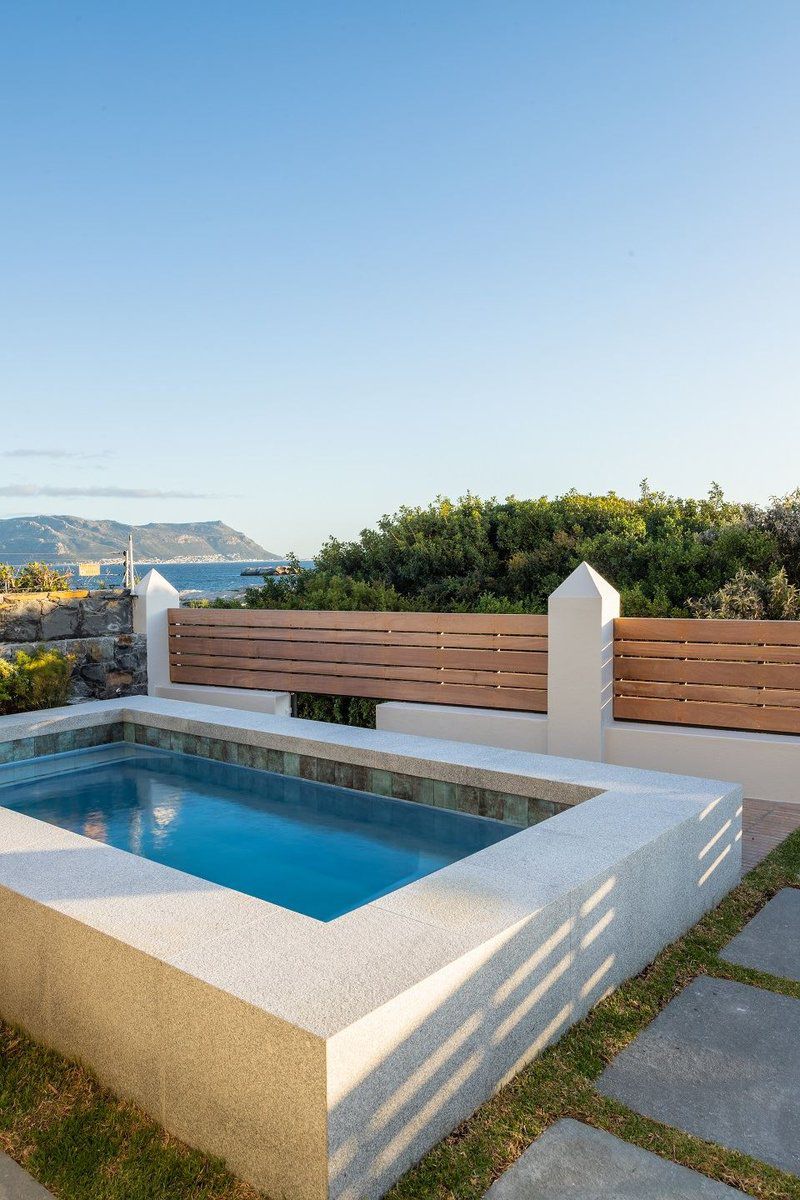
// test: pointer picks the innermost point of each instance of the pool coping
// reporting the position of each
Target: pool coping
(332, 989)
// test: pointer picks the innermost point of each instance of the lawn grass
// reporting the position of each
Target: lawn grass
(84, 1144)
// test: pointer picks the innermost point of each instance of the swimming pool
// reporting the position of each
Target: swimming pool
(311, 847)
(320, 1058)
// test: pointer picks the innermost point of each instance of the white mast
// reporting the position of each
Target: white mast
(129, 577)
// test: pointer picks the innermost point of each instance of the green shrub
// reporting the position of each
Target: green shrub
(33, 577)
(750, 597)
(338, 710)
(34, 681)
(41, 577)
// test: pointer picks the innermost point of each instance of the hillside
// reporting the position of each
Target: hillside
(67, 539)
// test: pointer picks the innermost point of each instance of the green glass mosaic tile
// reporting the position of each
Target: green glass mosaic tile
(45, 743)
(540, 810)
(66, 740)
(177, 741)
(515, 810)
(244, 755)
(490, 804)
(360, 777)
(308, 767)
(380, 782)
(444, 794)
(291, 764)
(326, 770)
(17, 750)
(273, 760)
(402, 787)
(343, 775)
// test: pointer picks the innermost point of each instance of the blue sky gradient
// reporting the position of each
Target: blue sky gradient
(300, 263)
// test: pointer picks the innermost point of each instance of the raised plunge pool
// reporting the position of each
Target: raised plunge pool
(311, 847)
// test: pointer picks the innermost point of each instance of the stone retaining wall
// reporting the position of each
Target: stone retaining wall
(94, 628)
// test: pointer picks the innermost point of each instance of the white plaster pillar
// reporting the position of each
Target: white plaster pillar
(152, 597)
(580, 666)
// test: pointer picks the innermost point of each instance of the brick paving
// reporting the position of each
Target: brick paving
(765, 823)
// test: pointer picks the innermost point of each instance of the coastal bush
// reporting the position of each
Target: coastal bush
(33, 577)
(31, 681)
(663, 553)
(749, 597)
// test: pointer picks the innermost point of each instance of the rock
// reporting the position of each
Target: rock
(59, 619)
(118, 682)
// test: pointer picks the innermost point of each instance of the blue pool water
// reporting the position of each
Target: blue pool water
(310, 847)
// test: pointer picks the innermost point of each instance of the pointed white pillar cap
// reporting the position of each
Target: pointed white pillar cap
(584, 584)
(153, 582)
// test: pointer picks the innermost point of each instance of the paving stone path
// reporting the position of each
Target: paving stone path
(771, 941)
(16, 1184)
(572, 1161)
(721, 1061)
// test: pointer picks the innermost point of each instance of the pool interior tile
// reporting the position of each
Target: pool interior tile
(380, 782)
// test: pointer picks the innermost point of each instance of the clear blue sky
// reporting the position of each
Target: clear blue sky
(304, 262)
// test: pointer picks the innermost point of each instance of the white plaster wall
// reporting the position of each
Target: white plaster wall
(767, 766)
(249, 699)
(482, 726)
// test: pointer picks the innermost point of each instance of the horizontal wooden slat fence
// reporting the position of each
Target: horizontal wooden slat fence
(719, 674)
(468, 659)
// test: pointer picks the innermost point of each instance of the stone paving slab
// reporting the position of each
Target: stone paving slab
(771, 941)
(721, 1061)
(16, 1184)
(572, 1161)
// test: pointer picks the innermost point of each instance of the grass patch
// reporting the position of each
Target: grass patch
(84, 1144)
(560, 1083)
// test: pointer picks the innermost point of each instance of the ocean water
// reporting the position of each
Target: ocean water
(194, 581)
(310, 847)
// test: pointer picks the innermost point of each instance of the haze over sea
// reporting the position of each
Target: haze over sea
(194, 581)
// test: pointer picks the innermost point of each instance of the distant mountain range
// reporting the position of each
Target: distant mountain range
(69, 539)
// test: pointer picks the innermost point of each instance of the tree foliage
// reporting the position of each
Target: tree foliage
(665, 555)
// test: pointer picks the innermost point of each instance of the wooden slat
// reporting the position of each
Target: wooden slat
(715, 716)
(779, 697)
(712, 651)
(492, 660)
(403, 621)
(366, 671)
(523, 699)
(667, 629)
(486, 660)
(682, 671)
(369, 637)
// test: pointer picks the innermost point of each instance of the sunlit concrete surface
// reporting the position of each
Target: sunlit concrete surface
(322, 1059)
(721, 1061)
(572, 1161)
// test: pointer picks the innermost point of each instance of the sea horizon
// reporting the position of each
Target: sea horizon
(195, 579)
